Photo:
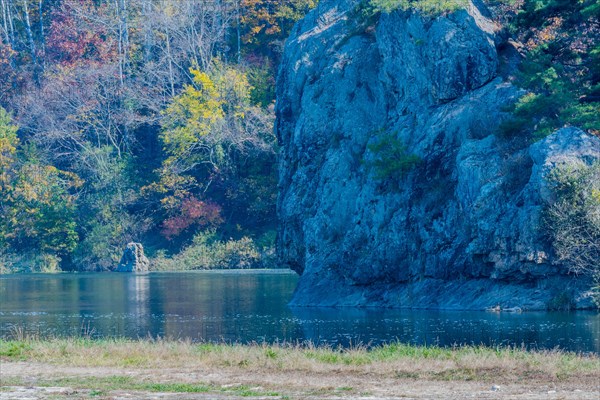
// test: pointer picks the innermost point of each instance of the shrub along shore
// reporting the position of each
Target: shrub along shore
(140, 368)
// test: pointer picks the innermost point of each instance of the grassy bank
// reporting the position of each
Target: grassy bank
(106, 367)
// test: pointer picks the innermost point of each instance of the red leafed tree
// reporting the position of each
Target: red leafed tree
(193, 212)
(77, 35)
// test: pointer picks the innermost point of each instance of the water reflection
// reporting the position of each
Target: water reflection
(138, 305)
(252, 307)
(576, 331)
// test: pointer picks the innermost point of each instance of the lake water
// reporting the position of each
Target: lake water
(251, 306)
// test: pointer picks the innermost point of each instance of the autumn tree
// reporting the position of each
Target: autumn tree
(265, 24)
(8, 148)
(211, 130)
(79, 36)
(37, 200)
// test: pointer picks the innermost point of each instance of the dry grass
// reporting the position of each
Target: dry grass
(394, 360)
(107, 369)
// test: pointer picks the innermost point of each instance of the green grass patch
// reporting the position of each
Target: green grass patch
(14, 349)
(339, 356)
(399, 351)
(247, 391)
(101, 386)
(206, 348)
(176, 387)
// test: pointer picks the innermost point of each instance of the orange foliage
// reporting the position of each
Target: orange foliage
(192, 212)
(77, 39)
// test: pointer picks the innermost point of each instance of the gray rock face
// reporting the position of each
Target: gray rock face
(461, 228)
(133, 259)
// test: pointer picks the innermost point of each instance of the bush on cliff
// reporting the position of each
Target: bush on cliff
(573, 220)
(388, 159)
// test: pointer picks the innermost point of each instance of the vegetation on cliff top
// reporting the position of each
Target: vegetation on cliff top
(560, 71)
(427, 7)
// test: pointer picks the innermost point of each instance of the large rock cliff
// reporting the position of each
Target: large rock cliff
(461, 227)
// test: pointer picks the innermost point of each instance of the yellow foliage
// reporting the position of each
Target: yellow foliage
(214, 99)
(174, 187)
(192, 114)
(596, 195)
(7, 145)
(8, 140)
(39, 183)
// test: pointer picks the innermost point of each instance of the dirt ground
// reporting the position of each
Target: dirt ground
(27, 380)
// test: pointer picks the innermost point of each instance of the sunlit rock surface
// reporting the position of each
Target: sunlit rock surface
(461, 228)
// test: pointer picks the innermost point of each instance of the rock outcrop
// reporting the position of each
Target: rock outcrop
(460, 229)
(133, 259)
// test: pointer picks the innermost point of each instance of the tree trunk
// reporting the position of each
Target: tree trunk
(125, 31)
(146, 10)
(9, 17)
(238, 27)
(171, 80)
(29, 32)
(42, 39)
(5, 21)
(120, 46)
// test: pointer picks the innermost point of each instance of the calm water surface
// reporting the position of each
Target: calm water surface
(251, 306)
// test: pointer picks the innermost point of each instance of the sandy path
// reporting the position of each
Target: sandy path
(288, 385)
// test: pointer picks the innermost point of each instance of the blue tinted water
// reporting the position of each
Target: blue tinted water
(251, 306)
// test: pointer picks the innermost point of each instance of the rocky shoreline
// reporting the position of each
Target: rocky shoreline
(556, 293)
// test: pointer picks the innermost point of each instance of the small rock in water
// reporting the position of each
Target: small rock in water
(133, 259)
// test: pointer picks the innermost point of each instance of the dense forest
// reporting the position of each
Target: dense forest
(152, 121)
(138, 120)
